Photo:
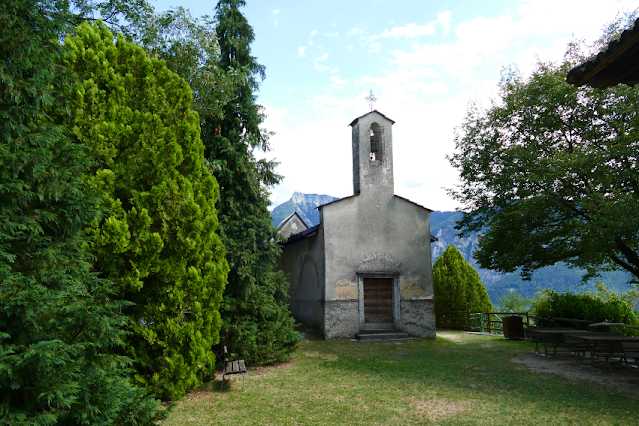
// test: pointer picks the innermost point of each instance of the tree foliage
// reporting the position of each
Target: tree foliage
(549, 174)
(256, 322)
(158, 241)
(190, 48)
(58, 321)
(457, 285)
(584, 306)
(513, 302)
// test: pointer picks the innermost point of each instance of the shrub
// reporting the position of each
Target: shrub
(583, 306)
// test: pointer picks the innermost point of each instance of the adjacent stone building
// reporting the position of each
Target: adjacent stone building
(367, 265)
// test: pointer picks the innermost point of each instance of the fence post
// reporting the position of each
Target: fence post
(470, 324)
(489, 323)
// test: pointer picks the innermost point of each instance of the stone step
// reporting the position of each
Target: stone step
(379, 331)
(389, 335)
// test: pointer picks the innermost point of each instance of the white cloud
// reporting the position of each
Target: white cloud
(301, 50)
(444, 20)
(333, 34)
(319, 66)
(425, 88)
(337, 82)
(410, 31)
(313, 33)
(276, 20)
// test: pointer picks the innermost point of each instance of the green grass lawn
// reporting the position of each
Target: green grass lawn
(469, 382)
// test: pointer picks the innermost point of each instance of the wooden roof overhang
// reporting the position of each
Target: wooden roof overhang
(619, 63)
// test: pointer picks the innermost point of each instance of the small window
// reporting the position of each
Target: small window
(376, 134)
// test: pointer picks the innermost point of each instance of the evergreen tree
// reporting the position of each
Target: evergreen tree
(255, 320)
(57, 319)
(457, 285)
(158, 241)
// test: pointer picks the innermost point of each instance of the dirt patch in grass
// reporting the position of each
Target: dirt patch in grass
(455, 337)
(435, 409)
(328, 357)
(623, 379)
(264, 370)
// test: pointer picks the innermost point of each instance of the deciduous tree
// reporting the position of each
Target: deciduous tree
(549, 173)
(190, 48)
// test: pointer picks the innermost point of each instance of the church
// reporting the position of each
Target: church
(366, 267)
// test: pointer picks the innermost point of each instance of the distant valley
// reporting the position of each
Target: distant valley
(442, 225)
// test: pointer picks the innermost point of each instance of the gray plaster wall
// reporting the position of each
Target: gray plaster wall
(371, 235)
(303, 261)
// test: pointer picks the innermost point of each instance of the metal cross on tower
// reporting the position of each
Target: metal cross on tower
(371, 99)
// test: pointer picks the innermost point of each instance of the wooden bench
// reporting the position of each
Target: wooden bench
(608, 351)
(232, 367)
(538, 335)
(630, 352)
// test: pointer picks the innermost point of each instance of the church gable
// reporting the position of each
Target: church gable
(293, 224)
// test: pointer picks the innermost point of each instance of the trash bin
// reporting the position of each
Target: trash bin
(513, 327)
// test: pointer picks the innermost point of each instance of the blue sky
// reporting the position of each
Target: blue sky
(424, 61)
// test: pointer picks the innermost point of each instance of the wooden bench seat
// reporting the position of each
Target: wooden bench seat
(232, 367)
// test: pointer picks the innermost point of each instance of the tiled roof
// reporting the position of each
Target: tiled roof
(619, 63)
(357, 119)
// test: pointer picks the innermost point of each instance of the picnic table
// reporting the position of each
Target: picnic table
(568, 339)
(602, 345)
(538, 335)
(557, 338)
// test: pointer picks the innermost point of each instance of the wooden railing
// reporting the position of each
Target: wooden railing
(492, 322)
(455, 320)
(489, 322)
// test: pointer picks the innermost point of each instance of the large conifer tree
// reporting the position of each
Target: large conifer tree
(457, 285)
(57, 320)
(158, 240)
(255, 318)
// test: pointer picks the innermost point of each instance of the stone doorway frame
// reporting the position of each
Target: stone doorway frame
(396, 302)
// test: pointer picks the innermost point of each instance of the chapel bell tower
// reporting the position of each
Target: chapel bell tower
(373, 154)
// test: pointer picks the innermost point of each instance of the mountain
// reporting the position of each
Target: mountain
(559, 277)
(304, 204)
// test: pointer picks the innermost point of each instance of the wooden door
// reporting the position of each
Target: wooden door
(378, 300)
